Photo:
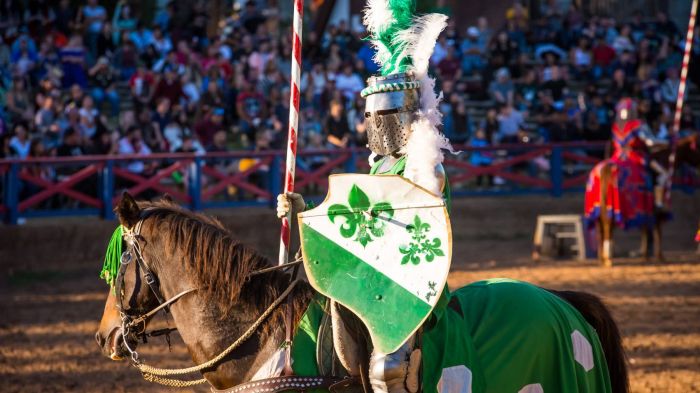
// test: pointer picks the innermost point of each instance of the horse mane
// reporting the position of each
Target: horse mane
(218, 263)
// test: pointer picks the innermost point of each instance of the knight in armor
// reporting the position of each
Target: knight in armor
(638, 180)
(628, 132)
(401, 118)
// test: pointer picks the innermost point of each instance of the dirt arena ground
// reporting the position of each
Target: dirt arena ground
(48, 325)
(49, 314)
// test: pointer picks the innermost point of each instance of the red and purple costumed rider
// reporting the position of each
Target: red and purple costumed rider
(631, 194)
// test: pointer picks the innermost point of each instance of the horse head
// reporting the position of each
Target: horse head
(219, 292)
(129, 295)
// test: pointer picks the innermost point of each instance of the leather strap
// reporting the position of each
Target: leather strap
(296, 383)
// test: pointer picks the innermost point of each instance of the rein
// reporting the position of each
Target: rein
(159, 375)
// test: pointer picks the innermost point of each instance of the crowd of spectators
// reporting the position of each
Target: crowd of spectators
(89, 80)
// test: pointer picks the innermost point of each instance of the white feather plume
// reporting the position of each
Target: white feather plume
(423, 156)
(425, 144)
(418, 41)
(377, 15)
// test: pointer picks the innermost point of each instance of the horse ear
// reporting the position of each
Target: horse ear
(166, 197)
(128, 210)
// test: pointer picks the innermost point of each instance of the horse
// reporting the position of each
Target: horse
(686, 153)
(218, 290)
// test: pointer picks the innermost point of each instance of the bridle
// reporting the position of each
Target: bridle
(135, 326)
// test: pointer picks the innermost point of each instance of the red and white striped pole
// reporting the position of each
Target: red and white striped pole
(293, 124)
(681, 98)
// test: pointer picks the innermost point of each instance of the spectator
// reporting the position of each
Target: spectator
(169, 87)
(510, 124)
(20, 107)
(102, 78)
(481, 158)
(581, 59)
(20, 142)
(603, 56)
(502, 89)
(669, 87)
(89, 117)
(132, 144)
(93, 15)
(349, 83)
(72, 145)
(141, 85)
(73, 61)
(122, 20)
(473, 51)
(208, 126)
(251, 109)
(336, 126)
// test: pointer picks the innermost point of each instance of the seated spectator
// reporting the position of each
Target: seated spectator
(105, 45)
(142, 37)
(24, 59)
(102, 78)
(349, 83)
(89, 117)
(603, 56)
(72, 145)
(624, 42)
(336, 126)
(490, 125)
(648, 85)
(504, 48)
(479, 157)
(551, 121)
(526, 91)
(126, 58)
(510, 124)
(19, 105)
(669, 87)
(502, 89)
(581, 59)
(621, 86)
(20, 142)
(449, 67)
(251, 109)
(169, 87)
(132, 143)
(208, 126)
(46, 114)
(73, 60)
(122, 20)
(104, 142)
(555, 86)
(473, 50)
(150, 132)
(141, 85)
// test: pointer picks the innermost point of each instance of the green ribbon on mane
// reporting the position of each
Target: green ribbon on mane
(110, 268)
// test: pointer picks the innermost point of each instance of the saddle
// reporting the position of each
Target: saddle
(341, 357)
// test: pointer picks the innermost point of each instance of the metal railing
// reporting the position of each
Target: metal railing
(91, 185)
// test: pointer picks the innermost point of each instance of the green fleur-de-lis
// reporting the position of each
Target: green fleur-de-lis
(361, 217)
(432, 291)
(420, 244)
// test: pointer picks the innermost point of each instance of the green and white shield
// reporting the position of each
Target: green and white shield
(381, 246)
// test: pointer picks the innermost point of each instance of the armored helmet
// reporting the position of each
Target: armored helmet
(390, 109)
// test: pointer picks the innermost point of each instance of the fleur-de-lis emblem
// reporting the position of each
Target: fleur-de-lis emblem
(420, 244)
(361, 217)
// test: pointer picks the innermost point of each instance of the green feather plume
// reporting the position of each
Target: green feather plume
(110, 268)
(384, 20)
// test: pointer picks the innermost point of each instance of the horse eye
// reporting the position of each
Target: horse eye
(126, 258)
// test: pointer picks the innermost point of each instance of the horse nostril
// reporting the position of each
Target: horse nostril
(99, 339)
